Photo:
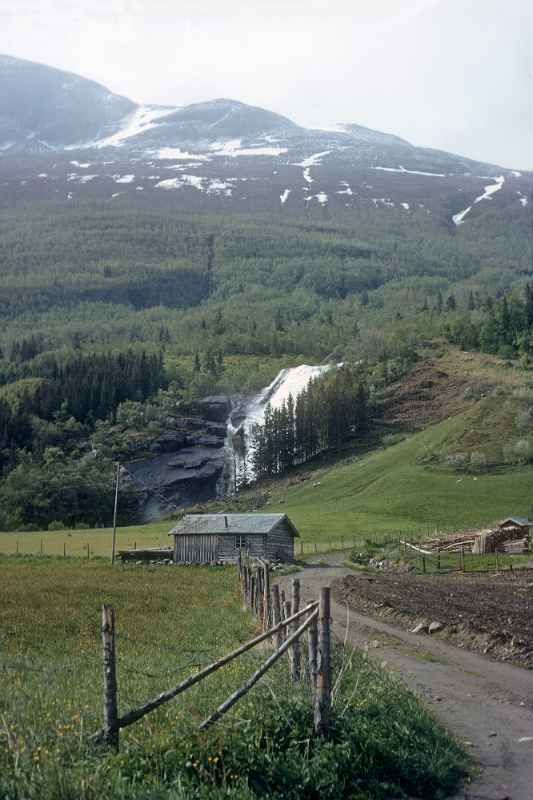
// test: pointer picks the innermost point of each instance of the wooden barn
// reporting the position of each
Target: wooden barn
(519, 527)
(214, 538)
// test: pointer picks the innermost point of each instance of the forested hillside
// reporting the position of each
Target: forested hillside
(102, 308)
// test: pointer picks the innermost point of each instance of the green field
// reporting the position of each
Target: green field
(388, 492)
(391, 492)
(170, 621)
(397, 489)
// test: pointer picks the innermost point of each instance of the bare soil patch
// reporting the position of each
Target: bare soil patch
(428, 394)
(490, 615)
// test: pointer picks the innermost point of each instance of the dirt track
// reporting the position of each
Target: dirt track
(485, 703)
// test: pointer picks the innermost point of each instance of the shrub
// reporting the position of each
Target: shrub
(457, 461)
(478, 462)
(56, 525)
(523, 451)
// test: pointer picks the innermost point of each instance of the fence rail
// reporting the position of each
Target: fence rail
(283, 623)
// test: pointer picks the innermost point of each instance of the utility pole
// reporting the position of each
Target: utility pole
(114, 546)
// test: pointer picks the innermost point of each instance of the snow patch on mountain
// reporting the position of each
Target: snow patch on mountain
(490, 190)
(321, 197)
(143, 119)
(347, 188)
(458, 219)
(233, 149)
(220, 187)
(284, 196)
(176, 154)
(123, 178)
(313, 161)
(402, 170)
(384, 201)
(209, 186)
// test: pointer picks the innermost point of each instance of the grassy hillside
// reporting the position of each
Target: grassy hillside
(391, 491)
(458, 471)
(169, 623)
(461, 471)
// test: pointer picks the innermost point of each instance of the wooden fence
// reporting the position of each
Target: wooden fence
(453, 558)
(283, 623)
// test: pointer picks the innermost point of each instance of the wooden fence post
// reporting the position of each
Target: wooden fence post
(260, 595)
(111, 728)
(286, 613)
(323, 673)
(247, 585)
(462, 558)
(267, 613)
(295, 660)
(438, 559)
(276, 614)
(41, 546)
(312, 646)
(252, 594)
(115, 507)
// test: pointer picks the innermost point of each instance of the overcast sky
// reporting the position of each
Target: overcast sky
(451, 74)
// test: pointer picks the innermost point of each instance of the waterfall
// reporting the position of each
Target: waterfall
(289, 381)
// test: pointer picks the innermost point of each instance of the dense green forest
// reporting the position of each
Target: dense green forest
(105, 308)
(503, 326)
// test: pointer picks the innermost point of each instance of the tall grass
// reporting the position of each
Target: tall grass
(382, 744)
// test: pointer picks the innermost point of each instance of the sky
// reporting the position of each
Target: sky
(455, 75)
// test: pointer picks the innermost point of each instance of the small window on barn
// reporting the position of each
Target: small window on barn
(240, 542)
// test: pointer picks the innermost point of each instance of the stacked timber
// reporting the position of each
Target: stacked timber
(516, 546)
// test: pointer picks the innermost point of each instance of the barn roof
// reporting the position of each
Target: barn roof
(517, 521)
(231, 524)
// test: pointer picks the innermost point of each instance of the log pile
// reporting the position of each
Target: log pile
(480, 542)
(516, 547)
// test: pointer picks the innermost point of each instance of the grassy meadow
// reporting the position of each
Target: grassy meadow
(170, 621)
(391, 491)
(395, 490)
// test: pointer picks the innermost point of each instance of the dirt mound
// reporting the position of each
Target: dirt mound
(489, 615)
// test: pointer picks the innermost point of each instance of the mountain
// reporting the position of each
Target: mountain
(65, 139)
(44, 108)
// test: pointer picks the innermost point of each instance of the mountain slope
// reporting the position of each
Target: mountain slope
(64, 139)
(43, 107)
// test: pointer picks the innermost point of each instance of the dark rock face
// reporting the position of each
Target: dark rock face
(216, 408)
(187, 463)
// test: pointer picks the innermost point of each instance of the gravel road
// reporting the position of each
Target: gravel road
(485, 703)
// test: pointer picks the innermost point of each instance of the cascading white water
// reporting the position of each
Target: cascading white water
(290, 381)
